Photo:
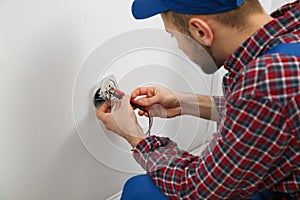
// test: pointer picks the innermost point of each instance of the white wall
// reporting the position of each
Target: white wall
(52, 54)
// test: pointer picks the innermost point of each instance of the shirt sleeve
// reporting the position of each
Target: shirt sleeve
(235, 163)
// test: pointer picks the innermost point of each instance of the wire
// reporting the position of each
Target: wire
(150, 117)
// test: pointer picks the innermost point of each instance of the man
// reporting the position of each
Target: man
(257, 146)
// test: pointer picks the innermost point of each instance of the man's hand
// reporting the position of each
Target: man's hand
(167, 104)
(163, 102)
(122, 121)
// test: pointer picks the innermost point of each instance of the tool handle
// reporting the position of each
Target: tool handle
(136, 105)
(118, 91)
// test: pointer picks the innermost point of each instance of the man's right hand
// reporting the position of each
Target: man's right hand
(168, 104)
(163, 102)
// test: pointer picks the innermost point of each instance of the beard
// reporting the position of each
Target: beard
(202, 55)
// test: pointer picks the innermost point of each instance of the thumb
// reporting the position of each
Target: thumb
(148, 101)
(125, 105)
(125, 100)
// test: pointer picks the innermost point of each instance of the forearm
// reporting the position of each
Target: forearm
(199, 106)
(133, 141)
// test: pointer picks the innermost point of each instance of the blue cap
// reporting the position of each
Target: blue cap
(142, 9)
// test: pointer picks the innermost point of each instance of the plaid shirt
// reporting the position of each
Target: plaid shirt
(257, 146)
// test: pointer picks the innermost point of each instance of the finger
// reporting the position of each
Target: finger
(124, 105)
(148, 91)
(126, 101)
(102, 112)
(148, 101)
(142, 113)
(104, 108)
(125, 117)
(138, 92)
(117, 105)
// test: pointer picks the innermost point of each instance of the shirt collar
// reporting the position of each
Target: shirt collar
(287, 18)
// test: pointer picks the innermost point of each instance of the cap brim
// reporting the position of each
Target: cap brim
(142, 9)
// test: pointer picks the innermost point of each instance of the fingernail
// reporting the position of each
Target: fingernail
(141, 101)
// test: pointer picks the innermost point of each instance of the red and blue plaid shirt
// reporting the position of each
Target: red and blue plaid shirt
(257, 146)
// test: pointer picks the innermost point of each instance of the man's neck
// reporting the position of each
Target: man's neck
(228, 39)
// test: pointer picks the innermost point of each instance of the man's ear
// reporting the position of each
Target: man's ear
(201, 31)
